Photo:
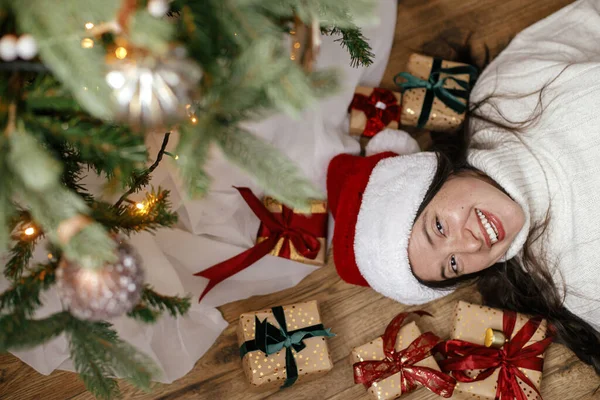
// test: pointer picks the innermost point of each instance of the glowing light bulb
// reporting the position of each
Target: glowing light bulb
(87, 43)
(89, 26)
(140, 206)
(50, 256)
(176, 157)
(297, 45)
(29, 231)
(121, 53)
(194, 120)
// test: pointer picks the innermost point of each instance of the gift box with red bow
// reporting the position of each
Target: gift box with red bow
(298, 235)
(435, 92)
(372, 110)
(400, 361)
(495, 354)
(284, 345)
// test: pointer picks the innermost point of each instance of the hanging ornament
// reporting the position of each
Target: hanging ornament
(152, 92)
(8, 48)
(105, 293)
(11, 47)
(306, 43)
(158, 8)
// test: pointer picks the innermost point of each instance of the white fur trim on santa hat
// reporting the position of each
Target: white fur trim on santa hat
(395, 140)
(388, 209)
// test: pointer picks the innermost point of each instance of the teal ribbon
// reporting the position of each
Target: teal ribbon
(269, 339)
(435, 88)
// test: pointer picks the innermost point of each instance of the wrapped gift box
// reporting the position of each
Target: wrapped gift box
(424, 107)
(312, 221)
(372, 110)
(311, 357)
(471, 322)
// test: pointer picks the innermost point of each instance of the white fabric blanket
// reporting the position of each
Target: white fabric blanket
(220, 225)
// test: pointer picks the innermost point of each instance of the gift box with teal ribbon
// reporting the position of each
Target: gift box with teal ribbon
(435, 92)
(284, 345)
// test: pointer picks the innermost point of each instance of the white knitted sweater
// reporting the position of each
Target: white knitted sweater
(556, 161)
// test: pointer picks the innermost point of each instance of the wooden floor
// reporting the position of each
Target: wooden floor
(356, 314)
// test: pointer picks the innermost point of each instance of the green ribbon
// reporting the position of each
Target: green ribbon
(435, 88)
(269, 339)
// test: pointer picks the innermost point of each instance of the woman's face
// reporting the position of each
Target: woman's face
(468, 226)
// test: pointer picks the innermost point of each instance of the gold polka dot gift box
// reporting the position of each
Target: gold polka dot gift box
(435, 92)
(495, 354)
(373, 110)
(400, 361)
(284, 345)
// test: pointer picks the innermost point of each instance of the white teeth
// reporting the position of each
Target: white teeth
(489, 227)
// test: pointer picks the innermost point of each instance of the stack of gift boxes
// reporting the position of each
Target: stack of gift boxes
(491, 354)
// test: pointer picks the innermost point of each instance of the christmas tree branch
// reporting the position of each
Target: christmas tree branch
(99, 355)
(20, 255)
(354, 41)
(19, 332)
(153, 304)
(154, 213)
(24, 296)
(144, 177)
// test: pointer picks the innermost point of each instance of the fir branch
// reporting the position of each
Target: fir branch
(192, 151)
(99, 355)
(155, 214)
(20, 255)
(144, 177)
(355, 42)
(24, 296)
(153, 304)
(274, 171)
(18, 332)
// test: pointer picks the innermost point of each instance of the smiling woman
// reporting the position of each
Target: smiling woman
(468, 226)
(512, 208)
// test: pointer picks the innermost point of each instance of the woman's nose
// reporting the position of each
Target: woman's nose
(467, 242)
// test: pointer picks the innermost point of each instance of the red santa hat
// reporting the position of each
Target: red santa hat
(374, 201)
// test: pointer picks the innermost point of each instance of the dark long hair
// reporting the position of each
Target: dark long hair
(522, 284)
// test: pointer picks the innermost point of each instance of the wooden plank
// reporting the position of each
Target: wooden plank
(356, 314)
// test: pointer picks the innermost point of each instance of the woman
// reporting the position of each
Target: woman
(514, 209)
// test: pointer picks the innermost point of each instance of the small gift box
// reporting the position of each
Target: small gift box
(435, 92)
(495, 353)
(295, 234)
(284, 345)
(306, 227)
(400, 361)
(372, 110)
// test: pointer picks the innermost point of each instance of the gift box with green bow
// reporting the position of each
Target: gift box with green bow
(435, 92)
(284, 345)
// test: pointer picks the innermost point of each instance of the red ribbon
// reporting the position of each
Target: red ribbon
(300, 230)
(463, 356)
(369, 372)
(377, 118)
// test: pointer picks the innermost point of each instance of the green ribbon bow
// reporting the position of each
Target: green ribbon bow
(269, 339)
(435, 88)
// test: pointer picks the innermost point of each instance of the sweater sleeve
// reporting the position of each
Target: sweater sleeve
(550, 53)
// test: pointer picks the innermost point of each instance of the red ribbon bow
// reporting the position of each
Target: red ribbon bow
(369, 372)
(296, 229)
(513, 355)
(377, 118)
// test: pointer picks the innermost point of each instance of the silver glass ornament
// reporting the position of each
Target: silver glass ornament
(152, 93)
(102, 294)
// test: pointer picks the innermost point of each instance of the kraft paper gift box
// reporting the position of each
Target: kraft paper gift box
(435, 87)
(471, 323)
(310, 360)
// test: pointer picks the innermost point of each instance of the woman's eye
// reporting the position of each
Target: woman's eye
(454, 264)
(439, 226)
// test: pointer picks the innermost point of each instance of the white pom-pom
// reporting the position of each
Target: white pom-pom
(158, 8)
(394, 140)
(27, 47)
(8, 47)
